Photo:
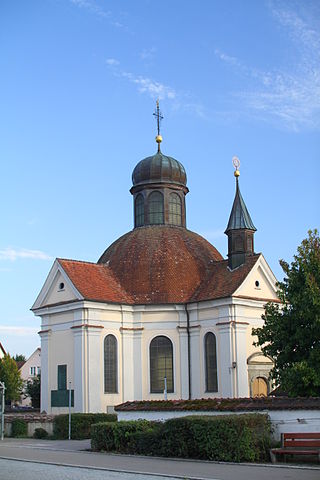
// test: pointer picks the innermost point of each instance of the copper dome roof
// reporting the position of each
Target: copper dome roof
(160, 264)
(159, 168)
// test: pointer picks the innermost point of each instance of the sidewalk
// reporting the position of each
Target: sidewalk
(73, 453)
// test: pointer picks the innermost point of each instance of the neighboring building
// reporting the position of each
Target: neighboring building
(161, 305)
(2, 351)
(28, 370)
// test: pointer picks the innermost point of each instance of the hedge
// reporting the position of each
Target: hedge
(19, 428)
(80, 424)
(235, 438)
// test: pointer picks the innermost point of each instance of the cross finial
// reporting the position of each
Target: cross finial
(158, 115)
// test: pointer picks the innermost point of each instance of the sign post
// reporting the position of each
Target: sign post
(69, 435)
(2, 395)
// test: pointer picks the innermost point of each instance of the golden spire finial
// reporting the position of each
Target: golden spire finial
(236, 164)
(158, 115)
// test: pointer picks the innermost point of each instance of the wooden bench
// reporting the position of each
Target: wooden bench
(297, 444)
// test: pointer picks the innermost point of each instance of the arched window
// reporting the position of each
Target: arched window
(110, 364)
(155, 202)
(210, 351)
(175, 209)
(161, 364)
(139, 211)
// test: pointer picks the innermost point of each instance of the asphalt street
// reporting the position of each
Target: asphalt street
(28, 459)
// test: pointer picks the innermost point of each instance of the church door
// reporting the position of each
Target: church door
(259, 387)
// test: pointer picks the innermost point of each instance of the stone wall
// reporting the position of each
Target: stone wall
(38, 420)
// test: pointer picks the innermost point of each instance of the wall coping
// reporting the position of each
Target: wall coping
(223, 404)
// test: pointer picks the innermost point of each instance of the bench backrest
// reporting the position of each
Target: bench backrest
(301, 439)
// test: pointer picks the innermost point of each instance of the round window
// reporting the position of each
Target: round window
(61, 286)
(257, 283)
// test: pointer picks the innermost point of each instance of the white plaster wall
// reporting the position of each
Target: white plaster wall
(266, 288)
(57, 295)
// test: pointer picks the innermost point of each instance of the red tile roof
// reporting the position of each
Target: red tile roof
(95, 282)
(157, 264)
(221, 281)
(160, 263)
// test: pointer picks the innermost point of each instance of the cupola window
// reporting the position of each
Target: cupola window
(155, 202)
(175, 209)
(139, 211)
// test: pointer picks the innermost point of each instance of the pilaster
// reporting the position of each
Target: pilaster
(45, 404)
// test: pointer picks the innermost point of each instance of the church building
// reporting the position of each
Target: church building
(161, 314)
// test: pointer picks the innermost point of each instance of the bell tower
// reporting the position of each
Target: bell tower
(240, 229)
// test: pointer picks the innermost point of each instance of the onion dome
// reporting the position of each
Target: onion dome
(159, 168)
(160, 263)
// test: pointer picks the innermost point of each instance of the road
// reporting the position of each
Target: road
(28, 459)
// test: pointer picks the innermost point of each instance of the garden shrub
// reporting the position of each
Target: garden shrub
(80, 424)
(118, 436)
(19, 428)
(40, 433)
(235, 438)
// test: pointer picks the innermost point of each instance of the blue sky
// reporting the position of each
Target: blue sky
(79, 80)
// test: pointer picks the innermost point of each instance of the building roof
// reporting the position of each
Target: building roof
(2, 349)
(223, 404)
(160, 263)
(221, 281)
(95, 282)
(159, 168)
(156, 265)
(239, 216)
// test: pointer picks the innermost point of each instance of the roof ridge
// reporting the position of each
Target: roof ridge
(75, 261)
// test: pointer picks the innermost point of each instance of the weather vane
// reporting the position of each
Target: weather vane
(236, 164)
(158, 115)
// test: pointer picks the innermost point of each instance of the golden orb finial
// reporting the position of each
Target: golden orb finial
(236, 164)
(158, 138)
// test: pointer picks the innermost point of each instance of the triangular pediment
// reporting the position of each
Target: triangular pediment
(260, 283)
(57, 288)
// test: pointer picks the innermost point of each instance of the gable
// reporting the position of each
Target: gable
(57, 288)
(260, 283)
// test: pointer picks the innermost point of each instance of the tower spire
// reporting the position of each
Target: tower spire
(240, 228)
(158, 115)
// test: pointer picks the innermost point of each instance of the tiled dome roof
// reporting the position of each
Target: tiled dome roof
(159, 168)
(160, 264)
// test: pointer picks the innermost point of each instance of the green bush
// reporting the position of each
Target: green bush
(235, 438)
(19, 428)
(80, 424)
(40, 433)
(118, 436)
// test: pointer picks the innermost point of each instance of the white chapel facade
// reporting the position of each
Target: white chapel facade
(161, 310)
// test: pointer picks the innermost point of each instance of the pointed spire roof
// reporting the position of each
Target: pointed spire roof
(239, 216)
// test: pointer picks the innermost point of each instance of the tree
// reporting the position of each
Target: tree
(33, 391)
(291, 332)
(19, 358)
(10, 375)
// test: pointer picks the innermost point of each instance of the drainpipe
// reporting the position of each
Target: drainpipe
(189, 353)
(122, 357)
